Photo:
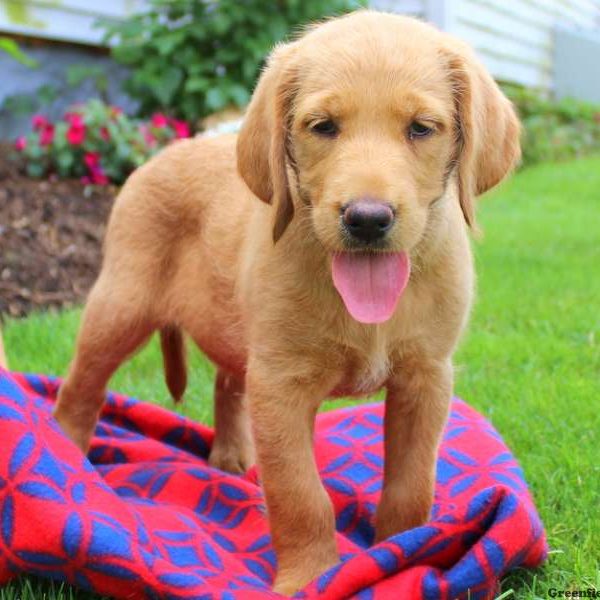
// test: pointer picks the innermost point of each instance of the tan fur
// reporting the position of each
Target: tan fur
(3, 361)
(189, 245)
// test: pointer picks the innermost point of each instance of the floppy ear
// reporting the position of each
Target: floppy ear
(263, 139)
(487, 128)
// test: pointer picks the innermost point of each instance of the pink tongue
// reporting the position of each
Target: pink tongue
(370, 284)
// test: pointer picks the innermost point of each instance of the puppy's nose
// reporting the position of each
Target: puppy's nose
(367, 220)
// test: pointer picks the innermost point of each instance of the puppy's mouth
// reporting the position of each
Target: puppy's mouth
(370, 283)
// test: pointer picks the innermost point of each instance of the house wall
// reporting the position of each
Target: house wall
(579, 49)
(71, 24)
(23, 84)
(514, 38)
(63, 20)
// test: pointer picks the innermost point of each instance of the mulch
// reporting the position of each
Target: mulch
(50, 239)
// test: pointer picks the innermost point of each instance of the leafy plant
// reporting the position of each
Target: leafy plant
(10, 47)
(24, 104)
(190, 58)
(96, 142)
(555, 130)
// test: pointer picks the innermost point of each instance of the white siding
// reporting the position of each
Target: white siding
(514, 38)
(64, 20)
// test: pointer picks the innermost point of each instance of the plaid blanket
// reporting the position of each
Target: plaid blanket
(144, 516)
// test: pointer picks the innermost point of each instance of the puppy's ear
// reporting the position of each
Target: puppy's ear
(263, 138)
(487, 128)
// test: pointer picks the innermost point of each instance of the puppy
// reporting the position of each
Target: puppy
(366, 140)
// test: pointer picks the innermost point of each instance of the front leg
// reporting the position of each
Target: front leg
(416, 410)
(283, 403)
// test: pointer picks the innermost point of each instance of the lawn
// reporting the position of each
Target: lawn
(530, 360)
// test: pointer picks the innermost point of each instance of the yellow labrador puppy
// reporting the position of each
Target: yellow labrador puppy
(366, 140)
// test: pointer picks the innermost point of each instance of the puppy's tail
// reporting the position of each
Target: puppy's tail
(174, 360)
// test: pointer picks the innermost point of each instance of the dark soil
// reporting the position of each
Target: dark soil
(50, 239)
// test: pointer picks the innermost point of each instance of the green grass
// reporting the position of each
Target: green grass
(41, 589)
(530, 361)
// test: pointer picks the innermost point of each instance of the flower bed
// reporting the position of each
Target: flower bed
(95, 142)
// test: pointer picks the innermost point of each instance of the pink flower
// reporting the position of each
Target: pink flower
(104, 134)
(21, 143)
(99, 178)
(148, 137)
(159, 120)
(75, 119)
(91, 160)
(39, 122)
(76, 134)
(181, 128)
(76, 131)
(47, 135)
(96, 173)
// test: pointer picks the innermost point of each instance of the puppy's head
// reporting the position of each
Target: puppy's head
(367, 119)
(375, 110)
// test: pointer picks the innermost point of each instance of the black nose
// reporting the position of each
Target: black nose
(367, 220)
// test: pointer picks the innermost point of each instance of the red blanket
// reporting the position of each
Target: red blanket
(144, 516)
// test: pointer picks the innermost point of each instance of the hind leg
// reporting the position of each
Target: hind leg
(113, 327)
(232, 449)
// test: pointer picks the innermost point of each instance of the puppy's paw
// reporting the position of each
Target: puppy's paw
(287, 587)
(396, 517)
(290, 581)
(233, 459)
(79, 433)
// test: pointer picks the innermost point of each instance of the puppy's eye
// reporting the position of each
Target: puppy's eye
(326, 128)
(418, 130)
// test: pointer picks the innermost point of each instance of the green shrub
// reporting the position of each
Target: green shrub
(555, 130)
(190, 58)
(96, 142)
